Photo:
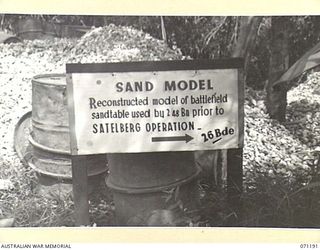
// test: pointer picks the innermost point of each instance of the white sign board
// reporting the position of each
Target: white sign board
(149, 107)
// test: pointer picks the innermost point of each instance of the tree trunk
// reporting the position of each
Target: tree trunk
(276, 101)
(163, 30)
(246, 38)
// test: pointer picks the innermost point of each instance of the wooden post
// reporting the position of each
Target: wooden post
(235, 173)
(234, 156)
(80, 190)
(79, 167)
(234, 161)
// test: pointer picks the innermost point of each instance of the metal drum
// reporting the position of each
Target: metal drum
(50, 122)
(143, 182)
(49, 136)
(29, 29)
(50, 30)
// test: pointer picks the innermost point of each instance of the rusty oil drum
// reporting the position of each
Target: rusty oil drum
(141, 182)
(49, 137)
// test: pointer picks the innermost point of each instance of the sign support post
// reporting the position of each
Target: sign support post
(234, 158)
(80, 189)
(234, 175)
(79, 165)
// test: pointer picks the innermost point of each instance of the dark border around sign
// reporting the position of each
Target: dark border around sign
(229, 63)
(147, 66)
(241, 98)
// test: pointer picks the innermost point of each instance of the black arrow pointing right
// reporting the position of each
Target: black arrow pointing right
(185, 138)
